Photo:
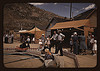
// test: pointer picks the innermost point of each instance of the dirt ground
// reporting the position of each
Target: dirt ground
(85, 61)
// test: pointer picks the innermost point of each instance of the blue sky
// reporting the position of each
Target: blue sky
(63, 9)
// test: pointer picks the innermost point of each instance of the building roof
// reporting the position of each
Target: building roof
(85, 15)
(58, 20)
(71, 24)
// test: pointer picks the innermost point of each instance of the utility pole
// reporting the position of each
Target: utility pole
(70, 9)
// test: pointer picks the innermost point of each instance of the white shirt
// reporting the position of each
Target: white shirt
(28, 39)
(12, 35)
(33, 39)
(54, 37)
(60, 37)
(92, 40)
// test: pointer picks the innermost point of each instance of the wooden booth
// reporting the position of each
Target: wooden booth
(75, 26)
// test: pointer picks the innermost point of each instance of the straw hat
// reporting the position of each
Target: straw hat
(66, 50)
(46, 50)
(59, 31)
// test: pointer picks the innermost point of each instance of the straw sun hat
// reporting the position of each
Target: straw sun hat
(46, 50)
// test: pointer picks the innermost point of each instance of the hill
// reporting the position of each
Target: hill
(25, 15)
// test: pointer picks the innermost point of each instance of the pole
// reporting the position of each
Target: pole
(70, 9)
(35, 33)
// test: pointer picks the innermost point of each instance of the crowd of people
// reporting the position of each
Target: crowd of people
(77, 42)
(55, 41)
(8, 38)
(79, 46)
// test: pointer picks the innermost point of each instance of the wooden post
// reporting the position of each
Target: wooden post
(86, 33)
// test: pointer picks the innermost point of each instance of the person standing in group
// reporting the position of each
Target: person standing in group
(9, 38)
(91, 43)
(83, 46)
(6, 38)
(71, 45)
(28, 39)
(88, 40)
(54, 41)
(75, 43)
(33, 40)
(43, 39)
(48, 43)
(60, 42)
(12, 37)
(95, 47)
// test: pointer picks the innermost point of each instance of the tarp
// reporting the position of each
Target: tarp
(33, 31)
(72, 24)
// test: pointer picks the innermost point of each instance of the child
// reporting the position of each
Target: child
(95, 47)
(41, 47)
(49, 59)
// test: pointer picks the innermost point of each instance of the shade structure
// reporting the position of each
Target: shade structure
(23, 31)
(33, 31)
(72, 24)
(36, 31)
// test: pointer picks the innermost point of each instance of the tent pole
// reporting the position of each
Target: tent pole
(35, 33)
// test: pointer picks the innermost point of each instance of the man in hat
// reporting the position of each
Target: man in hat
(60, 42)
(75, 43)
(54, 41)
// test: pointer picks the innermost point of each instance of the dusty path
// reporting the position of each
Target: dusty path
(84, 60)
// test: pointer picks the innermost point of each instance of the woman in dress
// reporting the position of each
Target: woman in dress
(95, 47)
(83, 46)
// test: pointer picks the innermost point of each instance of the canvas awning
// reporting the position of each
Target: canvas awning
(72, 24)
(31, 31)
(34, 30)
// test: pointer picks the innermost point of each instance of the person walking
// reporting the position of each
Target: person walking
(75, 43)
(54, 41)
(83, 46)
(60, 42)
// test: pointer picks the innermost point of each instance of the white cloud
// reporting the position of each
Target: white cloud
(90, 7)
(36, 3)
(86, 8)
